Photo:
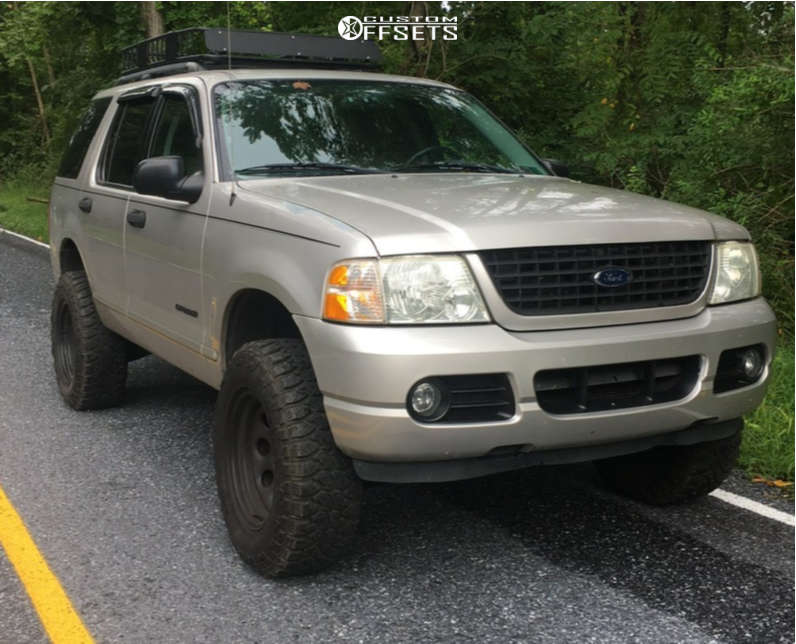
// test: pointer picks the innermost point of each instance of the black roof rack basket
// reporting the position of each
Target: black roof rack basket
(207, 48)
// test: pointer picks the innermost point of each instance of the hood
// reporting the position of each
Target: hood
(459, 212)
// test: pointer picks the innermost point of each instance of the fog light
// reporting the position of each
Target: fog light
(739, 367)
(751, 363)
(428, 400)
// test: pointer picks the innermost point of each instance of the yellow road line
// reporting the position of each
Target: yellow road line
(56, 613)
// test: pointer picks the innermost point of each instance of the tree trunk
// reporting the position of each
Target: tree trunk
(48, 62)
(152, 19)
(420, 48)
(44, 129)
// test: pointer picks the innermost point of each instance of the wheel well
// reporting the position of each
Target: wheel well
(256, 315)
(69, 257)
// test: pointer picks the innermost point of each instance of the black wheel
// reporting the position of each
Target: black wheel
(672, 474)
(289, 497)
(90, 360)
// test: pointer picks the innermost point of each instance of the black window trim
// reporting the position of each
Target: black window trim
(150, 91)
(111, 138)
(189, 93)
(156, 92)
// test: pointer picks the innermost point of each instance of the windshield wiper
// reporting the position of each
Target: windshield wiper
(288, 168)
(458, 166)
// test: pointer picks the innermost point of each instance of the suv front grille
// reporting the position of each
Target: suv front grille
(560, 280)
(616, 386)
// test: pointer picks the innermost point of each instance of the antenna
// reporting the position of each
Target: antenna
(232, 193)
(229, 40)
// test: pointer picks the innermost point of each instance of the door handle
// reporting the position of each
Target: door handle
(136, 218)
(85, 204)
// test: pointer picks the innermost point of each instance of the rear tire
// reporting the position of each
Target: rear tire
(90, 360)
(289, 497)
(672, 474)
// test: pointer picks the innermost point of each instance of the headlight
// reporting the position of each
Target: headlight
(737, 273)
(421, 289)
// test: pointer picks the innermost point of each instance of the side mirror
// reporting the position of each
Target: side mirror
(558, 168)
(165, 177)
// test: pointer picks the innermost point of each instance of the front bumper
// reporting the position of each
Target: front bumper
(365, 374)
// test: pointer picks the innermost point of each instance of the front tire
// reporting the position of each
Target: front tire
(90, 360)
(289, 497)
(672, 474)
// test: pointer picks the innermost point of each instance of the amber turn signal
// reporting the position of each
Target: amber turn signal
(353, 293)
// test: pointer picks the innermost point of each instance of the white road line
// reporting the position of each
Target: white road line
(4, 231)
(754, 506)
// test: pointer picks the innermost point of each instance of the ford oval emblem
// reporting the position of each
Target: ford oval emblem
(612, 277)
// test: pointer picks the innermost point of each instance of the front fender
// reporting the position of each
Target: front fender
(268, 246)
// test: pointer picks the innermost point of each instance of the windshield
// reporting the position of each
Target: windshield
(305, 127)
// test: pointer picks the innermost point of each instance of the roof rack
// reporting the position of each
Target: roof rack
(206, 48)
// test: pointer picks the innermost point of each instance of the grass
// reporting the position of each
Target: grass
(19, 214)
(768, 444)
(767, 449)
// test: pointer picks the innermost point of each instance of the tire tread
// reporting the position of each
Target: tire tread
(101, 370)
(317, 515)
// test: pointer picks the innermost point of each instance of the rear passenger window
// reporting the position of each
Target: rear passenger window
(129, 141)
(81, 139)
(174, 133)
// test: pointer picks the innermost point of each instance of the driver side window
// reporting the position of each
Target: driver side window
(128, 144)
(175, 135)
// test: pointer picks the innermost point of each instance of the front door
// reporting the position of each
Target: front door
(103, 204)
(163, 238)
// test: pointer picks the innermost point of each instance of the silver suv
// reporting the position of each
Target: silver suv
(384, 284)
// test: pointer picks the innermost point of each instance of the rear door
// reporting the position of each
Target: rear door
(74, 212)
(163, 237)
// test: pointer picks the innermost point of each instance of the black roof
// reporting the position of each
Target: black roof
(212, 48)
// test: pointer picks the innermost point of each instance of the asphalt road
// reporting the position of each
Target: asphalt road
(122, 504)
